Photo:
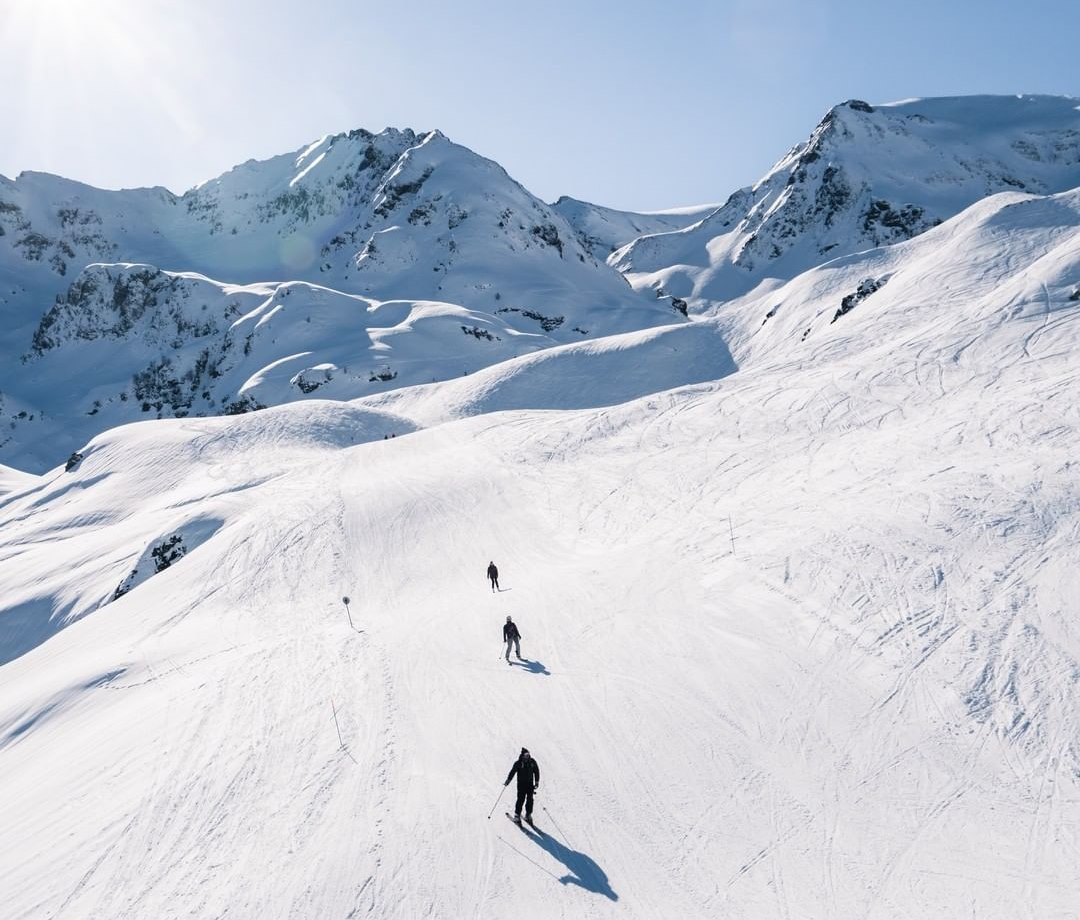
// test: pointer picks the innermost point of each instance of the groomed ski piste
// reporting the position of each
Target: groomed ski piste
(801, 641)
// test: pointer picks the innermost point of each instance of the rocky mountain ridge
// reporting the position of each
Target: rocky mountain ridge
(867, 176)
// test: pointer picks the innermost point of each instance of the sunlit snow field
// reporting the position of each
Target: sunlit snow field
(800, 641)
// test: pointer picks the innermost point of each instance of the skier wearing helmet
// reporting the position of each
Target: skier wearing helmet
(528, 782)
(512, 638)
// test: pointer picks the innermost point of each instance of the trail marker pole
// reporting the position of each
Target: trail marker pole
(348, 612)
(731, 531)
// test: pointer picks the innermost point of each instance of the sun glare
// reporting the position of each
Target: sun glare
(86, 66)
(78, 27)
(72, 50)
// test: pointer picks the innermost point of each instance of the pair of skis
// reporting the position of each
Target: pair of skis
(518, 822)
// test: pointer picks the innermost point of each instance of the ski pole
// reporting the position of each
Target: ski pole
(556, 823)
(338, 727)
(496, 805)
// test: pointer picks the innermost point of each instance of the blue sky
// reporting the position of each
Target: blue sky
(634, 105)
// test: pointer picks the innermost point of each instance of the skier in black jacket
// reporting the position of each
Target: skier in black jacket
(511, 637)
(493, 574)
(528, 782)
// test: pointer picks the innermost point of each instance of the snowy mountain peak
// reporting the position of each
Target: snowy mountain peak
(868, 175)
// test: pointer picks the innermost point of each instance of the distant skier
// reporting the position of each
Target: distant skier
(528, 782)
(512, 638)
(493, 574)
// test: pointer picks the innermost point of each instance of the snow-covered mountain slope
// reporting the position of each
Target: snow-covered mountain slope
(799, 642)
(365, 262)
(603, 230)
(1007, 256)
(361, 262)
(12, 479)
(587, 375)
(130, 341)
(868, 176)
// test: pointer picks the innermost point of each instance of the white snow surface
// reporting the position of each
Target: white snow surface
(800, 639)
(11, 479)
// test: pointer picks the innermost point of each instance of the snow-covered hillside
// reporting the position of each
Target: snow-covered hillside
(868, 176)
(367, 262)
(131, 341)
(799, 642)
(358, 263)
(603, 230)
(11, 479)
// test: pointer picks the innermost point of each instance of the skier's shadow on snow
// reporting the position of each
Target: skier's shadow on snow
(533, 667)
(584, 872)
